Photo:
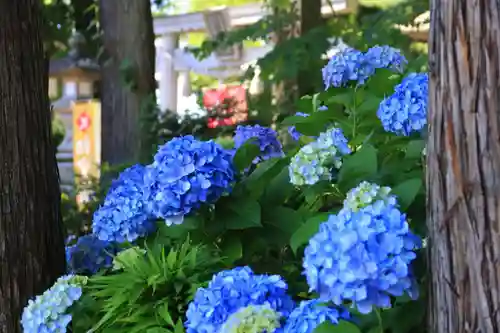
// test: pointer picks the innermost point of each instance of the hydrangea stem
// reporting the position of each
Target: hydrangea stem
(354, 120)
(379, 318)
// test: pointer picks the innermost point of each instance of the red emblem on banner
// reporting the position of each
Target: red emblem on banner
(83, 122)
(226, 106)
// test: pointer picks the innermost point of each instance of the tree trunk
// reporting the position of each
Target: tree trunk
(84, 17)
(31, 236)
(463, 175)
(285, 92)
(309, 80)
(128, 83)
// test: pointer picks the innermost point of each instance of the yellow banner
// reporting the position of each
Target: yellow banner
(86, 140)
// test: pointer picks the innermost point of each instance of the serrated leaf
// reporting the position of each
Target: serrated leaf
(292, 120)
(415, 148)
(232, 250)
(346, 99)
(382, 82)
(278, 190)
(406, 317)
(369, 104)
(342, 327)
(285, 219)
(307, 230)
(315, 123)
(260, 178)
(245, 155)
(241, 214)
(191, 222)
(407, 191)
(305, 104)
(361, 165)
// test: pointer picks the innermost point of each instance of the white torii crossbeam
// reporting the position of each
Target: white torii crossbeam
(173, 61)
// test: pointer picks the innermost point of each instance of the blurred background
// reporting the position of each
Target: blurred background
(128, 75)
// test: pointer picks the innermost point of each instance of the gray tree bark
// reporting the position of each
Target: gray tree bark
(31, 234)
(463, 175)
(128, 38)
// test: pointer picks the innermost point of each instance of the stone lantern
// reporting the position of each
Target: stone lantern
(72, 78)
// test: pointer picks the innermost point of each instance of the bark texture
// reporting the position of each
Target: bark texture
(463, 176)
(128, 40)
(31, 238)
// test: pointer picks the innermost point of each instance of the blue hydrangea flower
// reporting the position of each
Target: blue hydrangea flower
(316, 160)
(123, 215)
(310, 314)
(362, 257)
(48, 313)
(186, 173)
(293, 131)
(385, 57)
(266, 138)
(352, 66)
(69, 239)
(344, 67)
(231, 290)
(366, 194)
(253, 319)
(89, 255)
(405, 111)
(133, 176)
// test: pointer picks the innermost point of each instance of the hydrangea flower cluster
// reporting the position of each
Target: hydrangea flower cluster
(350, 65)
(367, 193)
(186, 172)
(133, 176)
(343, 67)
(363, 257)
(316, 160)
(89, 255)
(49, 311)
(266, 138)
(123, 215)
(310, 314)
(253, 319)
(385, 57)
(405, 111)
(231, 290)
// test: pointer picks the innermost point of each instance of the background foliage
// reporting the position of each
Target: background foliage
(265, 222)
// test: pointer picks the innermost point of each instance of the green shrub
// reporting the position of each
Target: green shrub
(148, 292)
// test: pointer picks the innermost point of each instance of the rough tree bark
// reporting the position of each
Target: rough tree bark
(31, 237)
(463, 175)
(128, 38)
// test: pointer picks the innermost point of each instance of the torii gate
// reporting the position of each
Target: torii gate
(173, 64)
